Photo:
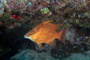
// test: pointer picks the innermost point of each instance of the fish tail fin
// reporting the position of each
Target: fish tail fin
(63, 35)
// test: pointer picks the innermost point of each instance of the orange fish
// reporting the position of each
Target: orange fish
(15, 17)
(46, 33)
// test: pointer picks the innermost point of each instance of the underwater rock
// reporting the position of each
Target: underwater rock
(78, 56)
(70, 35)
(32, 55)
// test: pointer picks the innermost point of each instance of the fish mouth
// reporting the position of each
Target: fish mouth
(28, 38)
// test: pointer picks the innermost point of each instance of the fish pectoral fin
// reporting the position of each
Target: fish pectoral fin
(39, 45)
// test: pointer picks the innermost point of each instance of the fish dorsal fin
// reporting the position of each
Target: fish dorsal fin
(47, 21)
